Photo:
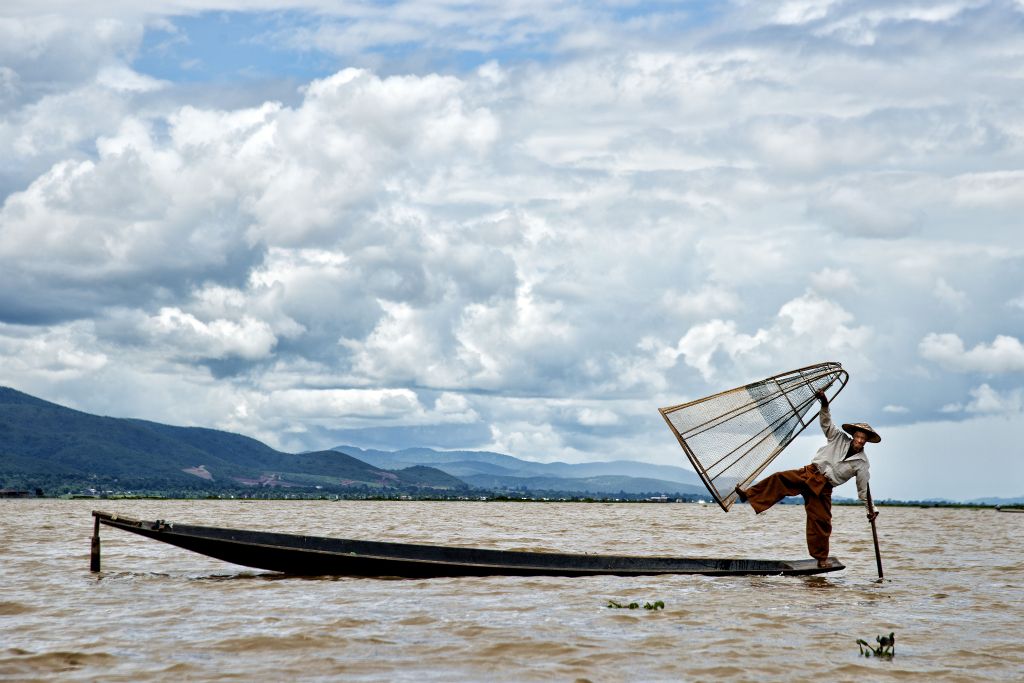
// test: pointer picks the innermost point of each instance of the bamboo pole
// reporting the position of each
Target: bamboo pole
(874, 532)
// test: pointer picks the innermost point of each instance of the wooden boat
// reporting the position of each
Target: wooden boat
(318, 556)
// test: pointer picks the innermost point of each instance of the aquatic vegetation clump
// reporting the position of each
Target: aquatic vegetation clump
(656, 605)
(886, 647)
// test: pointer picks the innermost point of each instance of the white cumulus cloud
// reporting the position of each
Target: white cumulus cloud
(986, 400)
(1004, 354)
(807, 329)
(190, 337)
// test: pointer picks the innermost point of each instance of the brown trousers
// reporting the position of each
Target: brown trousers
(817, 492)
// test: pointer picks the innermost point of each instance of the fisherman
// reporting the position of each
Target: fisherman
(836, 463)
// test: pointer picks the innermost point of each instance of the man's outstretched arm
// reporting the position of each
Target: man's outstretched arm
(825, 417)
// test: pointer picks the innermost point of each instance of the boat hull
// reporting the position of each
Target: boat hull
(320, 556)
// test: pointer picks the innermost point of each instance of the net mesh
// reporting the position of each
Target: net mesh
(732, 436)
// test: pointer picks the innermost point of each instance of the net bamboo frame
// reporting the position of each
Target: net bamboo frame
(732, 436)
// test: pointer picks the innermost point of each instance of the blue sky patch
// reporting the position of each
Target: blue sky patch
(253, 46)
(230, 46)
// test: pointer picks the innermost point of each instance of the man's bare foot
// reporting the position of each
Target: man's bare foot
(822, 564)
(741, 494)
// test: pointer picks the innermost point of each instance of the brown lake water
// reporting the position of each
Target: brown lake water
(952, 594)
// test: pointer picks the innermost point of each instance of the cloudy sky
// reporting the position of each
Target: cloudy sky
(520, 226)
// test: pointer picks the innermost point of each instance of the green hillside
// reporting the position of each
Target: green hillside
(48, 446)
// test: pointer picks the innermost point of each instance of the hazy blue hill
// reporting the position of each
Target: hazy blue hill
(485, 469)
(604, 485)
(992, 500)
(623, 467)
(471, 468)
(45, 441)
(423, 456)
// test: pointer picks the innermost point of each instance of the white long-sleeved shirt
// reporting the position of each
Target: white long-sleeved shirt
(830, 458)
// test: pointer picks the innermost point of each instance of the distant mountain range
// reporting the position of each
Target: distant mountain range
(54, 448)
(48, 446)
(45, 445)
(499, 472)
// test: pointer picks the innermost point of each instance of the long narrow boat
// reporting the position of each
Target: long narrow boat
(318, 556)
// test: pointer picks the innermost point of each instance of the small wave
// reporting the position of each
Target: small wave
(279, 643)
(419, 620)
(130, 576)
(10, 609)
(25, 664)
(243, 576)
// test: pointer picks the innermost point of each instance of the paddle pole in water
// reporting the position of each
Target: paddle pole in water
(874, 532)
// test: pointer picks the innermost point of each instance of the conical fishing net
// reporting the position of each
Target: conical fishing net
(732, 436)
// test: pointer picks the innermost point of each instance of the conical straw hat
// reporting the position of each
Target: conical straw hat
(873, 436)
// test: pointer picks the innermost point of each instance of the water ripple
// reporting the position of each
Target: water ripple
(952, 595)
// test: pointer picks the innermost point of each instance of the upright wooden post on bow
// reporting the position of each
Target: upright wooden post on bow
(94, 555)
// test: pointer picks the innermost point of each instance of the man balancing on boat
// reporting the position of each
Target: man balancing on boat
(838, 461)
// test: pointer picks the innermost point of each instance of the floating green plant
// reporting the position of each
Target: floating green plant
(656, 605)
(886, 647)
